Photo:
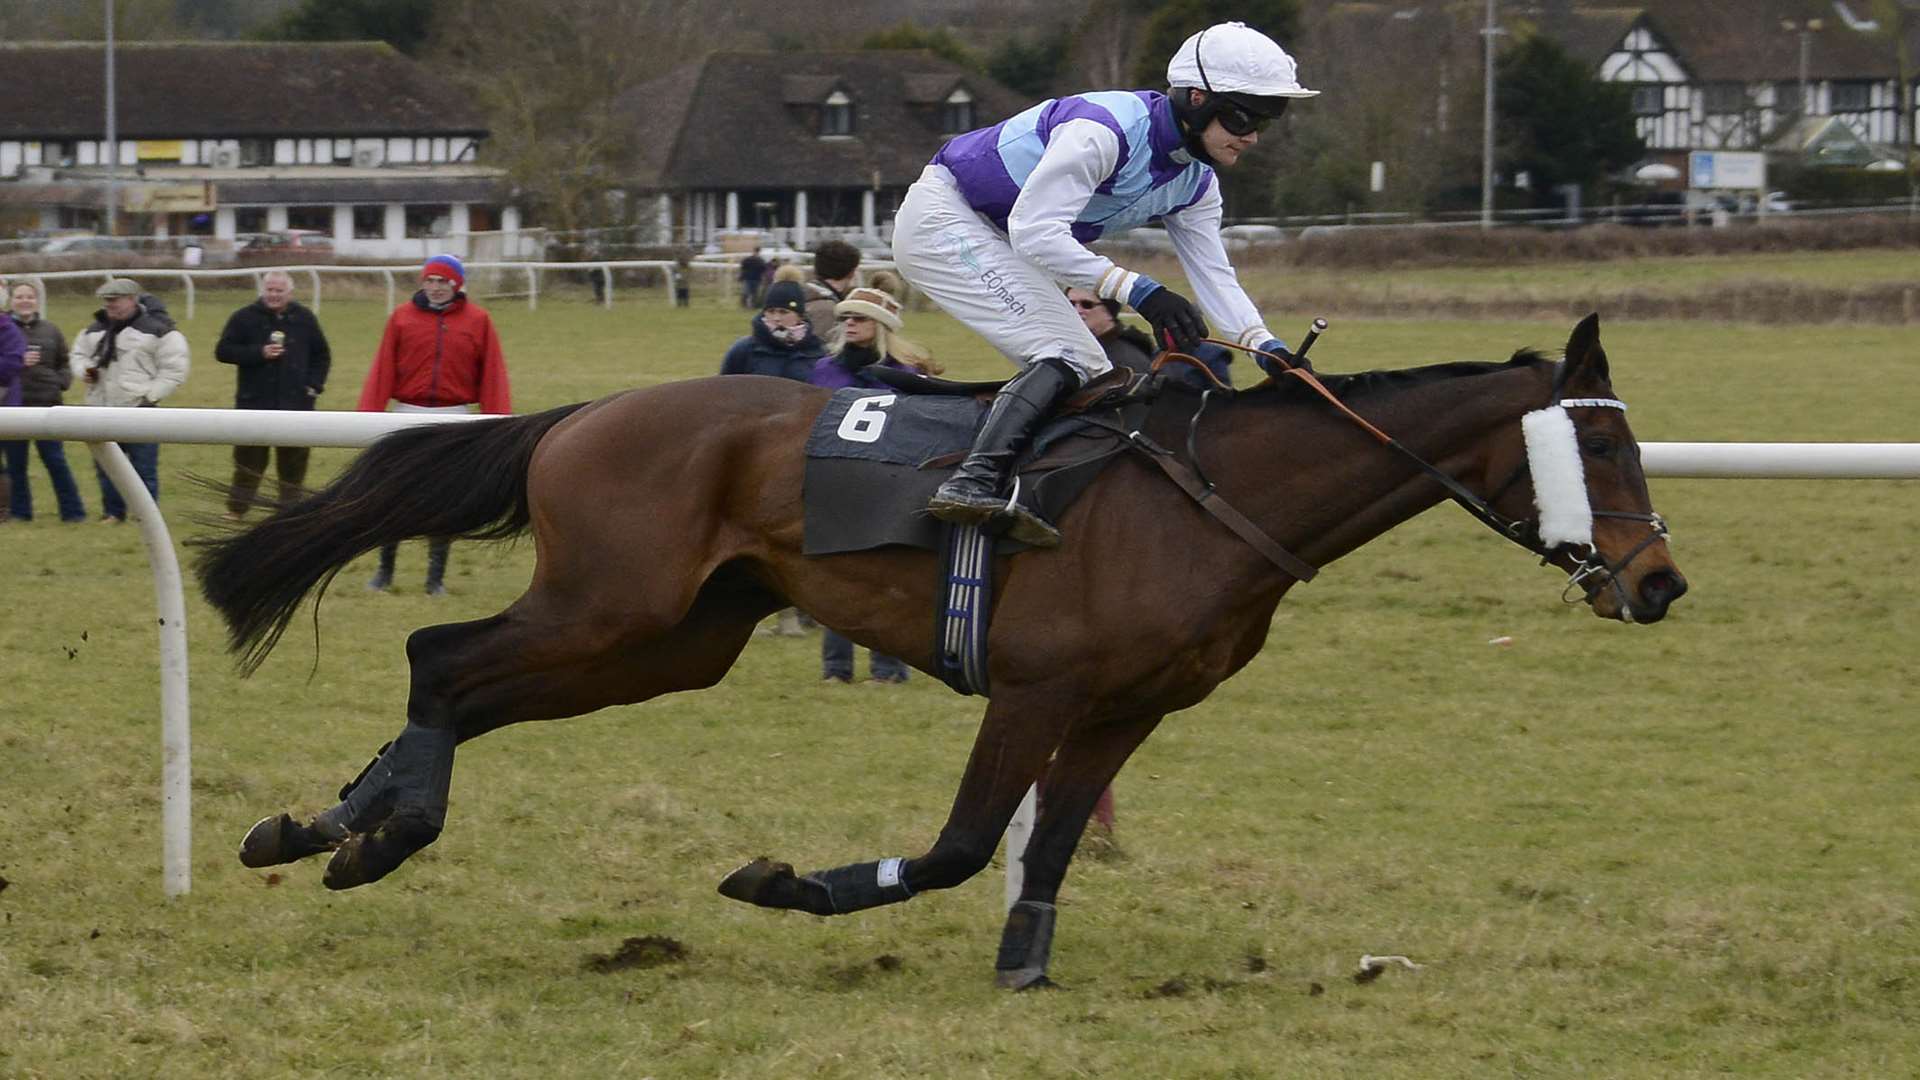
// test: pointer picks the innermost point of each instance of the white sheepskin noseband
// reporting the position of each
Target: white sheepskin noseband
(1559, 480)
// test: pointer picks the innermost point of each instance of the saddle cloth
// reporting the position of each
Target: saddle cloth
(874, 458)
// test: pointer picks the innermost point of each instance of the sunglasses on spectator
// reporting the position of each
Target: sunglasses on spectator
(1086, 305)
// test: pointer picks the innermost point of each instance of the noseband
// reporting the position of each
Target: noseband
(1591, 572)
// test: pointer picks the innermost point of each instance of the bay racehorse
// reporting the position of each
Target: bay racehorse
(667, 522)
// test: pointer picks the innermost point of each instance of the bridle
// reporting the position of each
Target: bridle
(1591, 572)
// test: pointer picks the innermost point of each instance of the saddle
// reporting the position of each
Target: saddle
(875, 457)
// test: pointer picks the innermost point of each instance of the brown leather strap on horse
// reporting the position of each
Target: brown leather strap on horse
(1209, 500)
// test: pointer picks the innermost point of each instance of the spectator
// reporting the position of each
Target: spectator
(13, 356)
(752, 269)
(869, 337)
(43, 381)
(132, 355)
(870, 323)
(781, 343)
(282, 356)
(835, 265)
(1124, 345)
(783, 346)
(439, 354)
(1132, 349)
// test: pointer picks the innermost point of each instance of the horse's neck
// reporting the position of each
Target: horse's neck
(1327, 508)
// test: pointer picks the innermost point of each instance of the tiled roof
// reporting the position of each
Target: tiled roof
(175, 90)
(749, 119)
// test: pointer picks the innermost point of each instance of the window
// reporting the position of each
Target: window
(1786, 98)
(1647, 101)
(310, 217)
(430, 219)
(836, 116)
(1852, 96)
(250, 219)
(369, 222)
(956, 116)
(1726, 97)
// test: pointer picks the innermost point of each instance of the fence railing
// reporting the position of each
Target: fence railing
(390, 275)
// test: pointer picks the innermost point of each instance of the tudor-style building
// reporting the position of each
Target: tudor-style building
(798, 145)
(1760, 74)
(222, 139)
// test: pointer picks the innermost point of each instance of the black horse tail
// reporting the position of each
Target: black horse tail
(442, 480)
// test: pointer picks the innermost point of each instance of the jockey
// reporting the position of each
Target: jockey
(1001, 218)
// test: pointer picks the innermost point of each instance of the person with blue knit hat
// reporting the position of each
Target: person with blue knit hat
(440, 353)
(1001, 219)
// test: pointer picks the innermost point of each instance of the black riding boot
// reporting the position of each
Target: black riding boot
(972, 495)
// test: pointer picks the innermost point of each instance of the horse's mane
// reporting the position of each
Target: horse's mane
(1364, 384)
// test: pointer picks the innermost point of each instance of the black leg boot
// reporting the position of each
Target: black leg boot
(437, 552)
(382, 579)
(972, 495)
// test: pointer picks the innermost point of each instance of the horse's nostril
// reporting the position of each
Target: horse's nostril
(1662, 586)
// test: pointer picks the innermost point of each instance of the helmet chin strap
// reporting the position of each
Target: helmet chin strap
(1193, 119)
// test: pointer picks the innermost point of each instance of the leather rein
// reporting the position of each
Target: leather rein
(1591, 572)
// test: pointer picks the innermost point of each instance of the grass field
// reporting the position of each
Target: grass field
(1679, 850)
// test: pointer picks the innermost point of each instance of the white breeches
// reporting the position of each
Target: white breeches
(946, 249)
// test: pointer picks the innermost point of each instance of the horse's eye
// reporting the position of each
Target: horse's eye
(1598, 445)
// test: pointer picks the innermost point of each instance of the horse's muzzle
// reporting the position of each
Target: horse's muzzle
(1657, 590)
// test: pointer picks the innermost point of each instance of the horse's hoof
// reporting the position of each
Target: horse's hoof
(759, 882)
(1024, 979)
(367, 857)
(280, 839)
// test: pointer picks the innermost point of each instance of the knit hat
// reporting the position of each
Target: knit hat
(119, 286)
(445, 266)
(872, 303)
(786, 294)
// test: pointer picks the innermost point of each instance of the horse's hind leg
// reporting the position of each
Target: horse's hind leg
(540, 659)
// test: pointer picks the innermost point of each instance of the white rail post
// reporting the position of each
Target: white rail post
(1019, 831)
(533, 288)
(606, 282)
(176, 726)
(188, 280)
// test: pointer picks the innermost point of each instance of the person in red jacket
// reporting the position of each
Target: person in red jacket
(439, 354)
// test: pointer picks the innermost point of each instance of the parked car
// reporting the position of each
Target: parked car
(87, 245)
(290, 242)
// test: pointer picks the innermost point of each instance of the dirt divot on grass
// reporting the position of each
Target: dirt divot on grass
(637, 952)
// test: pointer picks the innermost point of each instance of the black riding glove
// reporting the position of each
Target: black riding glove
(1279, 348)
(1177, 324)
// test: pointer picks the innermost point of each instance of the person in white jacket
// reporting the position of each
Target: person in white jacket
(132, 356)
(1001, 218)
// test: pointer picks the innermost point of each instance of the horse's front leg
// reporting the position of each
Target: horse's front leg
(1015, 740)
(1084, 766)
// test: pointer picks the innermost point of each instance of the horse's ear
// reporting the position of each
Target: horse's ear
(1585, 357)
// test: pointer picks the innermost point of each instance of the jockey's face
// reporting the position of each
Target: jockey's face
(1223, 146)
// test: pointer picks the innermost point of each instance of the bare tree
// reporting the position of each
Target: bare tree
(545, 81)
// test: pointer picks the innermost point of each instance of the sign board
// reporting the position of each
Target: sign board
(1721, 169)
(169, 198)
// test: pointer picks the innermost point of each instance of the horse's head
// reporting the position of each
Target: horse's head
(1590, 509)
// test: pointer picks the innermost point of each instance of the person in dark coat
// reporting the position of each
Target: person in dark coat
(782, 344)
(1131, 348)
(283, 359)
(44, 379)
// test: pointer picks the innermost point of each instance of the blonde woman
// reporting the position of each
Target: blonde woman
(870, 336)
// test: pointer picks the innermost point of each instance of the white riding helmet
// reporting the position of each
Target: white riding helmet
(1235, 60)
